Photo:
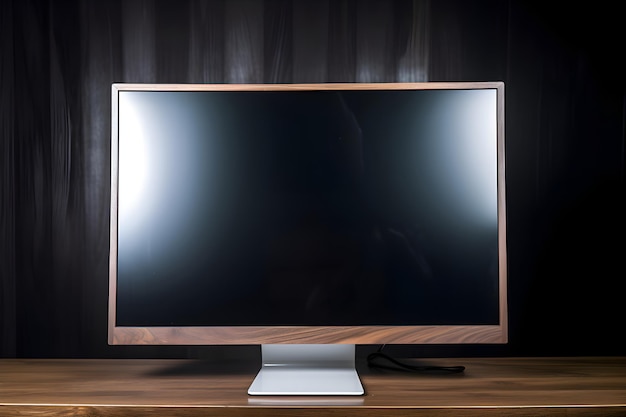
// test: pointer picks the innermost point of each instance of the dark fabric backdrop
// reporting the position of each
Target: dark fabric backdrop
(565, 113)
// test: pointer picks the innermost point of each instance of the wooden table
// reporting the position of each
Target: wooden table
(184, 388)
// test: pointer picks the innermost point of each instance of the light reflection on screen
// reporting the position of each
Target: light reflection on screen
(307, 208)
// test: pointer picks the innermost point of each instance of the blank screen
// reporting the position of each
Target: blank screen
(321, 208)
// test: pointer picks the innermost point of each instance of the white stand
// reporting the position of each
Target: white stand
(307, 370)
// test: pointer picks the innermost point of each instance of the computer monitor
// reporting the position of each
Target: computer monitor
(311, 217)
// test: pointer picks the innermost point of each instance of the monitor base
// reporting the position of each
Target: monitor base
(307, 370)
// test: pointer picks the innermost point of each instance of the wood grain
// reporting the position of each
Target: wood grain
(492, 386)
(286, 334)
(309, 87)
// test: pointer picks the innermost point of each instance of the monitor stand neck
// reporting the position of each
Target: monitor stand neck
(307, 370)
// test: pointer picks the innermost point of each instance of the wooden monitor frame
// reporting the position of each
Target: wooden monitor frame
(448, 334)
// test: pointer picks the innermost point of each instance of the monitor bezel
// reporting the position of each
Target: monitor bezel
(238, 335)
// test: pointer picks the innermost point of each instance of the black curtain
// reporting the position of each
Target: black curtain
(565, 106)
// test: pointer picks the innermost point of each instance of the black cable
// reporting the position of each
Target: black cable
(377, 359)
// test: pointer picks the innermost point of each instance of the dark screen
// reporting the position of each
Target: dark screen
(307, 208)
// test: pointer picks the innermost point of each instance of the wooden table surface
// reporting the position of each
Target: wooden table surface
(184, 388)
